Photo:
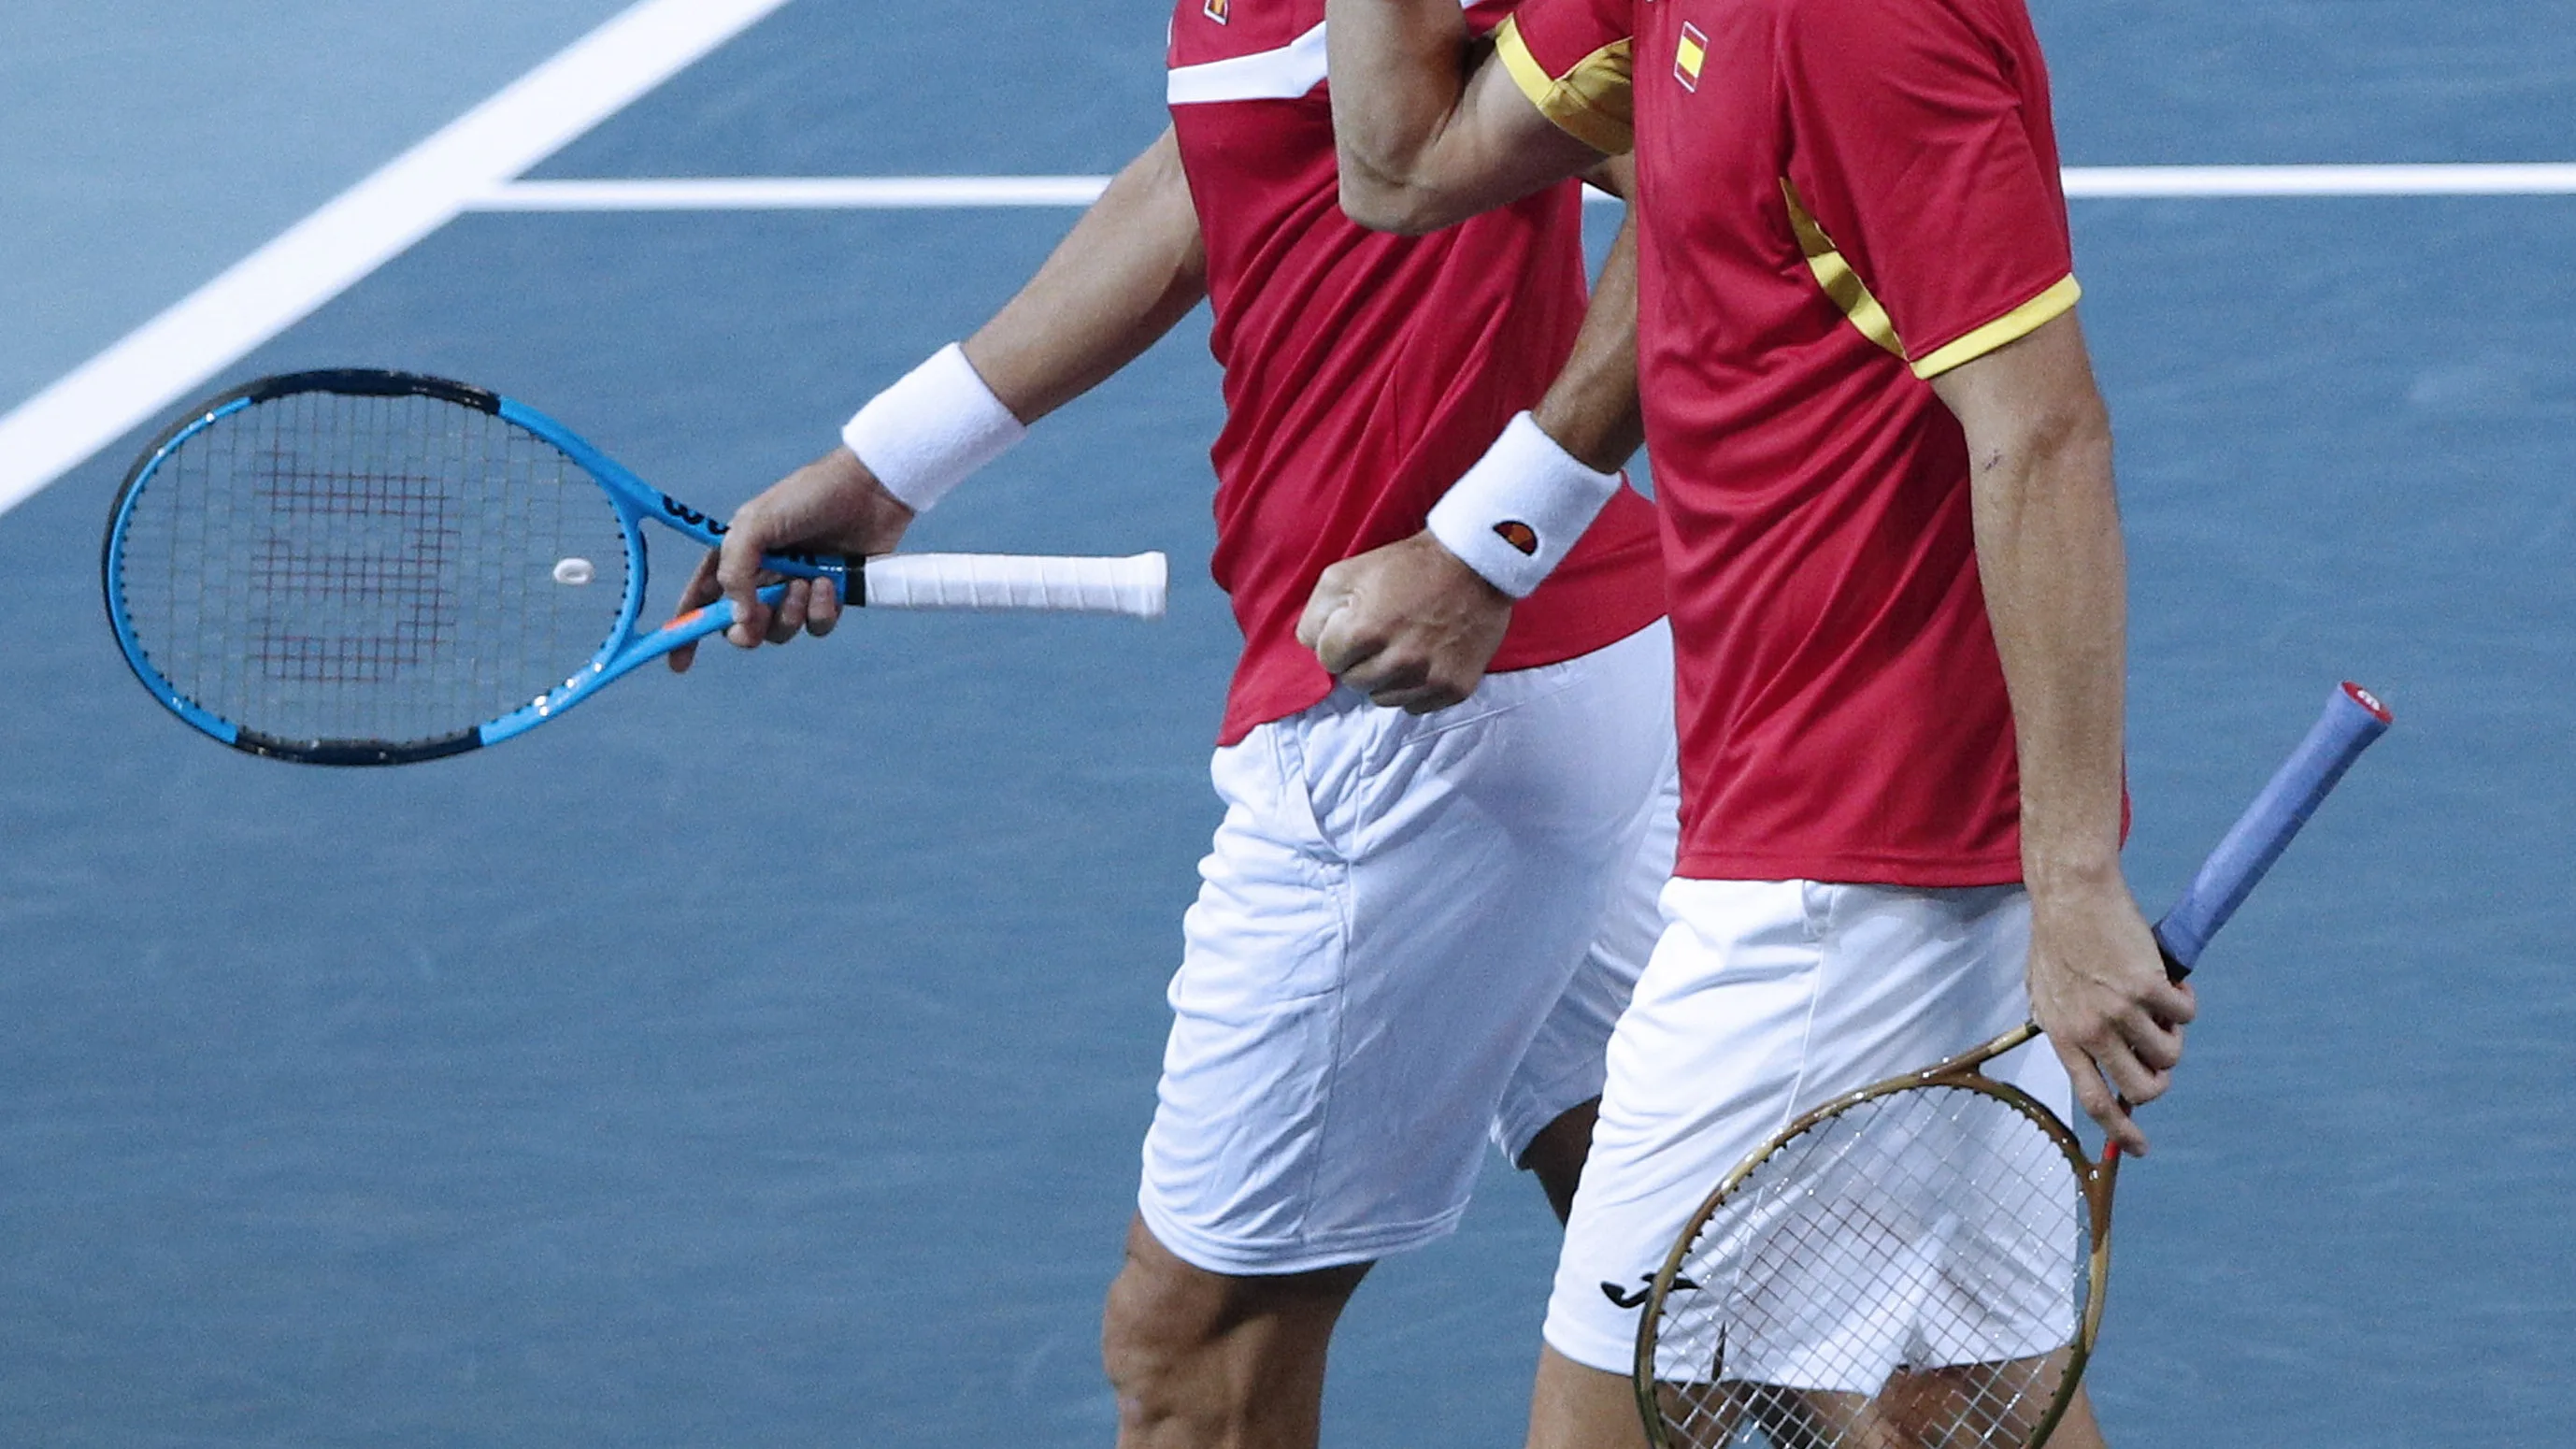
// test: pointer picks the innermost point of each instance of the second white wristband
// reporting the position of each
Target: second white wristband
(1515, 515)
(940, 422)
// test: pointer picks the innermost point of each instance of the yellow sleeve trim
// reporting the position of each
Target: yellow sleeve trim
(1592, 102)
(1836, 277)
(2014, 325)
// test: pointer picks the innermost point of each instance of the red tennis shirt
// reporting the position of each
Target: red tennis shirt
(1838, 200)
(1364, 372)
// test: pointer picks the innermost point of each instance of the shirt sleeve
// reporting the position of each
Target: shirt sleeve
(1570, 57)
(1924, 150)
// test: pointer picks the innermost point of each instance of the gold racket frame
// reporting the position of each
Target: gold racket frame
(1960, 1072)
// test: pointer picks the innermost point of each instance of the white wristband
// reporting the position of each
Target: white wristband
(923, 435)
(1516, 514)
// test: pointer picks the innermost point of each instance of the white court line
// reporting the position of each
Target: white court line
(892, 193)
(366, 226)
(2518, 179)
(472, 165)
(793, 193)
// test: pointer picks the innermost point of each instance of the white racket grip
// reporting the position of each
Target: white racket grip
(1133, 586)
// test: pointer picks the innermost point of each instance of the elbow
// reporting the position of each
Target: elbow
(2078, 433)
(2058, 426)
(2047, 454)
(2035, 420)
(1373, 198)
(1378, 209)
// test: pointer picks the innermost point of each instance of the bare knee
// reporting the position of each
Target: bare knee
(1159, 1323)
(1208, 1359)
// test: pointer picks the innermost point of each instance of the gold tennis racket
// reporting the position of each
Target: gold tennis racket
(1922, 1262)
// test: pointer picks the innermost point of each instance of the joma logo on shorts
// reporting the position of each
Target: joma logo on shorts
(1626, 1299)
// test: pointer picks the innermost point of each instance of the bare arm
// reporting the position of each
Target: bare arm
(1591, 409)
(1127, 273)
(1430, 129)
(1130, 270)
(1409, 624)
(2049, 552)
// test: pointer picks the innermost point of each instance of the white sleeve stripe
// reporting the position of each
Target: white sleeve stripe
(1273, 75)
(1284, 74)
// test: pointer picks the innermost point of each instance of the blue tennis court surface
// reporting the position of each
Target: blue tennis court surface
(759, 1058)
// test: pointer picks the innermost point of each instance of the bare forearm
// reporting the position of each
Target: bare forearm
(2056, 584)
(1591, 409)
(2048, 545)
(2055, 575)
(1126, 274)
(1429, 129)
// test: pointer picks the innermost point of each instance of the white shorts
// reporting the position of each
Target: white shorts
(1413, 932)
(1763, 999)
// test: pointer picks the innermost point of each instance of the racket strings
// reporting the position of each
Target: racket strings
(1911, 1271)
(314, 571)
(325, 567)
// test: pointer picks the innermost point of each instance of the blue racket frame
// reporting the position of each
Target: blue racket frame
(634, 501)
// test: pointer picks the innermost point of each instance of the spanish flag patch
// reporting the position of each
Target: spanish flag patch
(1686, 61)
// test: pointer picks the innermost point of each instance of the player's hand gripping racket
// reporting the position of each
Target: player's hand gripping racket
(372, 568)
(1922, 1262)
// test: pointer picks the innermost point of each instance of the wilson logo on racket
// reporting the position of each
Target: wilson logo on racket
(1519, 535)
(692, 517)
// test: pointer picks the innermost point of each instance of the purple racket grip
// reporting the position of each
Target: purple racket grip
(2353, 719)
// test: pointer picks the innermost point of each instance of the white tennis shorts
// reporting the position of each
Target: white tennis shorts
(1762, 1000)
(1413, 932)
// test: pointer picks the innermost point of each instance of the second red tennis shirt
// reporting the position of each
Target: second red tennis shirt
(1839, 199)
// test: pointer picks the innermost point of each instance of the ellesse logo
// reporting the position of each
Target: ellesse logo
(1519, 535)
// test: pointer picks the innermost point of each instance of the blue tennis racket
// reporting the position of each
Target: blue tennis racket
(374, 568)
(1923, 1261)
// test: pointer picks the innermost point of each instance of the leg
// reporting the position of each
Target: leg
(1762, 999)
(1558, 1081)
(1348, 1013)
(1574, 1407)
(1205, 1360)
(1930, 1409)
(2079, 1429)
(1555, 1156)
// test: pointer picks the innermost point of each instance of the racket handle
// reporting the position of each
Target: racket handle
(1133, 586)
(2352, 720)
